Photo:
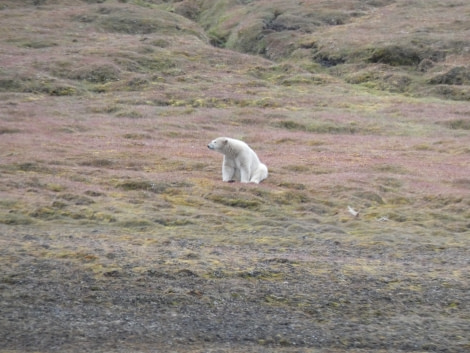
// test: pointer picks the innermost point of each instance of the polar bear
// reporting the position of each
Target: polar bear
(240, 162)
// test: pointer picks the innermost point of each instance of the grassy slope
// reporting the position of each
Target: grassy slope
(112, 210)
(391, 45)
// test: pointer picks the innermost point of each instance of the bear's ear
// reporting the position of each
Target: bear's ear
(225, 141)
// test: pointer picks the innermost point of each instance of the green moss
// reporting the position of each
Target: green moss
(99, 163)
(132, 114)
(458, 93)
(156, 187)
(291, 185)
(135, 223)
(13, 218)
(63, 91)
(5, 130)
(291, 125)
(136, 185)
(458, 124)
(38, 44)
(396, 55)
(456, 76)
(173, 222)
(369, 196)
(290, 197)
(390, 168)
(230, 200)
(131, 24)
(77, 199)
(45, 213)
(96, 73)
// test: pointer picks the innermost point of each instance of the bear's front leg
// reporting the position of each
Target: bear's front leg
(228, 170)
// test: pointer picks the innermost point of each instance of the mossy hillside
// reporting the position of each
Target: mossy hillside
(412, 65)
(406, 64)
(93, 69)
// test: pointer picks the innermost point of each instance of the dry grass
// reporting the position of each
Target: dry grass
(117, 233)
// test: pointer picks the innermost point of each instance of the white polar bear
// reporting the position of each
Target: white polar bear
(240, 162)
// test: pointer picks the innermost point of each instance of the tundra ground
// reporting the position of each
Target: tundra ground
(118, 235)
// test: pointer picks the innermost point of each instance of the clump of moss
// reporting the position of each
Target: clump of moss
(130, 25)
(77, 199)
(173, 222)
(136, 185)
(188, 9)
(291, 125)
(458, 124)
(5, 130)
(19, 82)
(380, 77)
(96, 73)
(290, 197)
(241, 201)
(459, 75)
(396, 55)
(14, 218)
(32, 167)
(147, 185)
(99, 163)
(38, 44)
(454, 92)
(135, 223)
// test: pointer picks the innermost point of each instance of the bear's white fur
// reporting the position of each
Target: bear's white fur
(240, 162)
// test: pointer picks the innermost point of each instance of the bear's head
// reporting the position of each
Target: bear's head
(218, 144)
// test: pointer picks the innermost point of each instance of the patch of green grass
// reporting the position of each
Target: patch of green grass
(156, 187)
(241, 201)
(290, 197)
(135, 223)
(15, 218)
(455, 76)
(32, 167)
(37, 44)
(173, 222)
(137, 136)
(458, 124)
(380, 77)
(321, 127)
(37, 85)
(291, 125)
(6, 130)
(136, 185)
(369, 196)
(131, 24)
(462, 182)
(138, 21)
(292, 185)
(99, 163)
(77, 199)
(388, 184)
(396, 56)
(390, 168)
(298, 168)
(132, 114)
(96, 73)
